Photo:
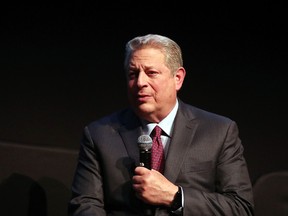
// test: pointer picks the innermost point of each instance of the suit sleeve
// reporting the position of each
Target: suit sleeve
(232, 194)
(87, 191)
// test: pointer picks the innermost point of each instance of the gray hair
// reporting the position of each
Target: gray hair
(170, 49)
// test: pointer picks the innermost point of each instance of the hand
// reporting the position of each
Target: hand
(152, 187)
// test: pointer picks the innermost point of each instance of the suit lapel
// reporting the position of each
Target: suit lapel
(182, 136)
(130, 131)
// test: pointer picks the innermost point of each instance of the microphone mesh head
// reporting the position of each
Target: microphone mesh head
(145, 142)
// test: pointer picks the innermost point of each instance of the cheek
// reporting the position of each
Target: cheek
(170, 92)
(130, 85)
(168, 87)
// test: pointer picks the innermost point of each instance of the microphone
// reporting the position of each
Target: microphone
(145, 146)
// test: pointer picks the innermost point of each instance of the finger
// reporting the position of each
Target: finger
(136, 179)
(141, 170)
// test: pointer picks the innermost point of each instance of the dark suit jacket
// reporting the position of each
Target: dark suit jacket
(205, 157)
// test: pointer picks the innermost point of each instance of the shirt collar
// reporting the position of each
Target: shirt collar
(166, 124)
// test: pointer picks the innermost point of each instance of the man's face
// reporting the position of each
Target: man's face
(152, 89)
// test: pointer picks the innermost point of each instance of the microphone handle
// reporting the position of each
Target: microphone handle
(145, 159)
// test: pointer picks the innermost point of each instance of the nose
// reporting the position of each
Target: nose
(142, 79)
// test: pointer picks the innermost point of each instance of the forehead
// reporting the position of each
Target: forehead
(147, 55)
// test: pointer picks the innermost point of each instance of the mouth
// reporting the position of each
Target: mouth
(143, 98)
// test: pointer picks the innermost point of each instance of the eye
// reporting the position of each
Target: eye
(132, 75)
(152, 73)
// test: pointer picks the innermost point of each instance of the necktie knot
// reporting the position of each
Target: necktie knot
(157, 131)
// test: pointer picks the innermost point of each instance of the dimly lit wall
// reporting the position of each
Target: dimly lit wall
(61, 67)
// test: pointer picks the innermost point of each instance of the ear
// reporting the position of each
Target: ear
(179, 78)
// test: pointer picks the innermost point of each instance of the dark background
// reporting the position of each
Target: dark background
(61, 67)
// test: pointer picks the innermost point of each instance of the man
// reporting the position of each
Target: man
(205, 171)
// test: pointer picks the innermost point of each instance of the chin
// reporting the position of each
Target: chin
(144, 109)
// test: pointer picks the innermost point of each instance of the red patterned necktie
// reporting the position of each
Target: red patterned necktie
(158, 157)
